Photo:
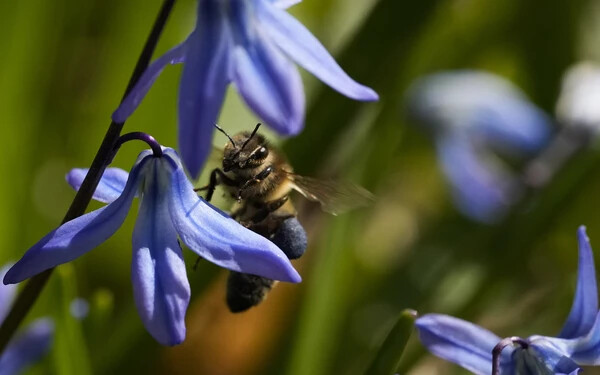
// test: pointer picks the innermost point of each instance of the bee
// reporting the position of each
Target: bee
(260, 179)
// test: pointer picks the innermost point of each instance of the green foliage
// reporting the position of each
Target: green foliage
(388, 357)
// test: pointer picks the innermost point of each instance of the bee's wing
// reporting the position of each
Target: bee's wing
(335, 197)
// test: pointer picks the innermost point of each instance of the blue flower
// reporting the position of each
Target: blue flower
(473, 116)
(28, 346)
(249, 43)
(578, 343)
(169, 208)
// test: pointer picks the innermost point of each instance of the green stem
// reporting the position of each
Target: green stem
(388, 357)
(34, 287)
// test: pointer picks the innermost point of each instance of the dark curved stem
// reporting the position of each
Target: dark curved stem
(500, 347)
(33, 288)
(565, 144)
(140, 136)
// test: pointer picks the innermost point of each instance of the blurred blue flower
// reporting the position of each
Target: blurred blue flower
(578, 344)
(169, 208)
(473, 116)
(249, 43)
(28, 346)
(79, 308)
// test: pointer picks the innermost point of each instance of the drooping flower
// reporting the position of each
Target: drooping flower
(578, 343)
(474, 116)
(28, 346)
(169, 209)
(249, 43)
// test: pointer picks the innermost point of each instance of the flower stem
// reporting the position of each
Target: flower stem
(33, 288)
(140, 136)
(497, 351)
(569, 140)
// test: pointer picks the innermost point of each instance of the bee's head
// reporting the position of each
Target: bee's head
(245, 150)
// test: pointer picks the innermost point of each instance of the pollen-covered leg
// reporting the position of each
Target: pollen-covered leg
(291, 238)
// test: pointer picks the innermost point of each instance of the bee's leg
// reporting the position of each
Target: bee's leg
(196, 263)
(217, 177)
(255, 180)
(239, 212)
(269, 207)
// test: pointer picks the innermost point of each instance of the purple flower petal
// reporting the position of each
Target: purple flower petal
(511, 123)
(549, 355)
(174, 56)
(270, 84)
(585, 305)
(461, 342)
(27, 347)
(482, 105)
(284, 4)
(585, 350)
(7, 294)
(79, 235)
(482, 188)
(302, 47)
(203, 83)
(160, 285)
(109, 188)
(220, 239)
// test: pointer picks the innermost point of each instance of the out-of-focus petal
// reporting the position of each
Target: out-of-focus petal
(585, 304)
(461, 342)
(301, 46)
(220, 239)
(481, 187)
(270, 84)
(79, 235)
(481, 104)
(203, 83)
(7, 294)
(160, 285)
(79, 308)
(579, 97)
(284, 4)
(109, 188)
(513, 124)
(27, 347)
(174, 56)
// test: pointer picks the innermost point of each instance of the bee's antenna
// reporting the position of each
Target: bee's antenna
(251, 135)
(227, 135)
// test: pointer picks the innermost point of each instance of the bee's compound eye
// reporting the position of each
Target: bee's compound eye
(261, 153)
(291, 238)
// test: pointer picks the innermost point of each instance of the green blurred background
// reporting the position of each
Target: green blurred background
(64, 66)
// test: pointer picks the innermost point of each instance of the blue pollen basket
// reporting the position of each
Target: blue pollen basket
(291, 238)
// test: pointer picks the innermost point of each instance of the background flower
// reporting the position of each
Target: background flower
(29, 345)
(473, 116)
(249, 43)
